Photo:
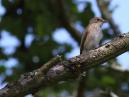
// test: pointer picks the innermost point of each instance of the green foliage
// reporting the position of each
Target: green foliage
(44, 17)
(2, 69)
(86, 15)
(107, 81)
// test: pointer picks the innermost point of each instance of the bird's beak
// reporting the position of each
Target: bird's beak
(104, 21)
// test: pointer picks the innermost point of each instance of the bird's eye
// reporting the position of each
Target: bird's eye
(98, 19)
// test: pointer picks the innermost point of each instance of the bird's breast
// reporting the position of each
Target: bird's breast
(95, 35)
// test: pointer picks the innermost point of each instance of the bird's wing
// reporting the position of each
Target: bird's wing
(84, 36)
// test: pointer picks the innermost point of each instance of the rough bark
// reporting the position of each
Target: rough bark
(55, 71)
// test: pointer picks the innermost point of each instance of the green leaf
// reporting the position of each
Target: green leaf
(2, 69)
(107, 80)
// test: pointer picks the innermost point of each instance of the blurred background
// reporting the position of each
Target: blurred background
(34, 31)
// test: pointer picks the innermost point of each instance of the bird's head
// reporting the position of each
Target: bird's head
(97, 20)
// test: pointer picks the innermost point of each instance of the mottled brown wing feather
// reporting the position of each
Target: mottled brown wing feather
(84, 36)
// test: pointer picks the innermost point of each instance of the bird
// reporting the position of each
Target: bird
(92, 35)
(90, 40)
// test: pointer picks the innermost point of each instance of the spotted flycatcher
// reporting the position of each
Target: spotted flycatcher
(92, 35)
(90, 40)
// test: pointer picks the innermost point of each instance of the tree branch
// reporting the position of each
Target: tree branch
(31, 82)
(106, 14)
(66, 22)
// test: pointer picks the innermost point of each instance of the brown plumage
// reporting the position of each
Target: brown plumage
(90, 39)
(92, 35)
